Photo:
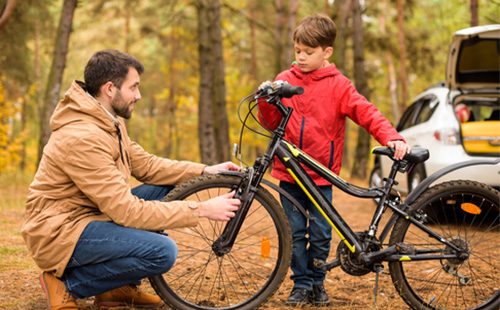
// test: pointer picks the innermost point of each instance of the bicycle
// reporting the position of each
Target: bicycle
(435, 261)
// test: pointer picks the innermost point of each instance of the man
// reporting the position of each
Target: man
(85, 228)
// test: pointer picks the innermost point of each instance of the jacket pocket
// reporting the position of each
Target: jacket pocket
(332, 148)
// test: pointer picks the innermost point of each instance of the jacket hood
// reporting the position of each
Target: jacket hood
(79, 106)
(319, 74)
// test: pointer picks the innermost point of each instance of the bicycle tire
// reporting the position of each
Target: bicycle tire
(244, 278)
(451, 283)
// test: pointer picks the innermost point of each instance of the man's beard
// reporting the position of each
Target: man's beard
(120, 107)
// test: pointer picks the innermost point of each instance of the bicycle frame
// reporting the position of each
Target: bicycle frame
(292, 157)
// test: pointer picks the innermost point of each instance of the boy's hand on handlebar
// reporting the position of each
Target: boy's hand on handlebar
(400, 148)
(221, 208)
(265, 87)
(214, 169)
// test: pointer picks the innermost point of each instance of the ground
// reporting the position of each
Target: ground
(19, 287)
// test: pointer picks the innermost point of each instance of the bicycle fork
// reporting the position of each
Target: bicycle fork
(246, 193)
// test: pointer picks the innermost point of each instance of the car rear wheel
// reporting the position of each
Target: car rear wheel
(376, 177)
(416, 176)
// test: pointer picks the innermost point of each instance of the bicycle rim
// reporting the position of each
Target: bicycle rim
(243, 278)
(466, 214)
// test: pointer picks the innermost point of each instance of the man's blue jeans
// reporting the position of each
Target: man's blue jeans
(108, 255)
(310, 240)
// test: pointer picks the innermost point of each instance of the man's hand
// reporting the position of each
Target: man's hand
(400, 148)
(221, 167)
(221, 208)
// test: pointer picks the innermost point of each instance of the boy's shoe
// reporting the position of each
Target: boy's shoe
(298, 296)
(127, 296)
(57, 296)
(319, 297)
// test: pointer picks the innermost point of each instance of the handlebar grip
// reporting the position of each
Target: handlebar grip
(288, 91)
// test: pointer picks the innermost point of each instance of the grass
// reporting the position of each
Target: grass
(20, 290)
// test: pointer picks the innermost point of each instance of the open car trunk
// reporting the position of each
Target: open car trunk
(479, 118)
(473, 74)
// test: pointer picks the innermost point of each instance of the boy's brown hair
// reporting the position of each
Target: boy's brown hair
(316, 30)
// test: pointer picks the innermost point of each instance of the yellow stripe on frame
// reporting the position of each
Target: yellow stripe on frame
(296, 152)
(351, 247)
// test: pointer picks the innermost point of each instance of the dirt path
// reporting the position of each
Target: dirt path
(19, 288)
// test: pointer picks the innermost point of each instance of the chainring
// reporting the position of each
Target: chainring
(350, 262)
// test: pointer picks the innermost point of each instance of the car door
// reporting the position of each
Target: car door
(414, 127)
(419, 133)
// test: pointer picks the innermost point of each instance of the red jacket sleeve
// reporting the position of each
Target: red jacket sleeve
(365, 114)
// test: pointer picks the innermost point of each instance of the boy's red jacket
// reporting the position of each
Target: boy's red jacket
(317, 123)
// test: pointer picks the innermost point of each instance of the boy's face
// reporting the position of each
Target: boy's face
(311, 58)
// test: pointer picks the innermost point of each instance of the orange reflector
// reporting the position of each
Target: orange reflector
(265, 247)
(470, 208)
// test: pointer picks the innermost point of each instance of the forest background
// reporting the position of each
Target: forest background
(202, 56)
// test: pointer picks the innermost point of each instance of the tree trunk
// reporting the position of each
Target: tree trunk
(342, 15)
(474, 13)
(171, 107)
(213, 123)
(279, 34)
(288, 55)
(360, 164)
(126, 29)
(389, 59)
(54, 81)
(7, 11)
(403, 76)
(254, 69)
(343, 9)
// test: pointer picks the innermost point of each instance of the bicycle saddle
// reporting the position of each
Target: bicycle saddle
(417, 154)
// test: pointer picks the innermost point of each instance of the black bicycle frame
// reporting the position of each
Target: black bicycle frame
(292, 158)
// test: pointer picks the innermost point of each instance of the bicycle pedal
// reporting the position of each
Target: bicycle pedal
(319, 263)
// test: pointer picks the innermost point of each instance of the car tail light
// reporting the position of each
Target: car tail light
(446, 136)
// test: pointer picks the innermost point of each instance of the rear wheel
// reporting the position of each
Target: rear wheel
(466, 214)
(245, 277)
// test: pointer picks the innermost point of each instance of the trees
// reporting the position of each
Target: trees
(54, 80)
(213, 129)
(252, 43)
(360, 162)
(7, 11)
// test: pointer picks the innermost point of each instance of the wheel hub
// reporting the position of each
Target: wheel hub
(452, 265)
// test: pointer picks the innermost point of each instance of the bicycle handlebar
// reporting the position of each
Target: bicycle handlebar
(280, 89)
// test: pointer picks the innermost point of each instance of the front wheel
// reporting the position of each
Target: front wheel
(243, 278)
(466, 214)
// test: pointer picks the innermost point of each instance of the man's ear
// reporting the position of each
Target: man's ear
(107, 89)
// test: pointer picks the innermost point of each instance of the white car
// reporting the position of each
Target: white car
(458, 120)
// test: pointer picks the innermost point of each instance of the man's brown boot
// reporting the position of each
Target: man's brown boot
(58, 297)
(127, 296)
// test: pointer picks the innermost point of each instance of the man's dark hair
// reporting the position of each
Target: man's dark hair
(108, 65)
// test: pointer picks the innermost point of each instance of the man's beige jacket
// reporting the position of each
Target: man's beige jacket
(84, 176)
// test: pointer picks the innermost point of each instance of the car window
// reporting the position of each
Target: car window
(480, 110)
(419, 112)
(408, 116)
(427, 108)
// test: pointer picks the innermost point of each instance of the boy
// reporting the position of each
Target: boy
(317, 126)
